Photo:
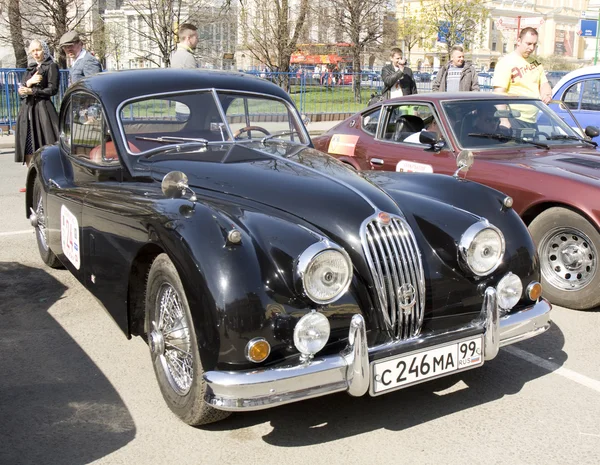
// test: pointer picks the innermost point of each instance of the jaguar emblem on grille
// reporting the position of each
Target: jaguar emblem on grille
(407, 296)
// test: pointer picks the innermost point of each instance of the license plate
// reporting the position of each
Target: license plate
(416, 367)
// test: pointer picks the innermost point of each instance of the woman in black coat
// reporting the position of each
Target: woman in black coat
(37, 123)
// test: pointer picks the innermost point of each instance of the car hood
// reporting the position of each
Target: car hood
(576, 164)
(291, 178)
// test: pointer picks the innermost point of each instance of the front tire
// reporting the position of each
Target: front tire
(173, 346)
(568, 248)
(41, 226)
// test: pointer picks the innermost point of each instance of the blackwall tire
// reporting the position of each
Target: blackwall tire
(41, 229)
(173, 346)
(568, 247)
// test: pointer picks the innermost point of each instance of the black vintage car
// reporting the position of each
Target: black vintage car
(259, 270)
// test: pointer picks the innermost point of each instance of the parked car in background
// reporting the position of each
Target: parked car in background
(555, 76)
(422, 76)
(259, 270)
(580, 91)
(551, 171)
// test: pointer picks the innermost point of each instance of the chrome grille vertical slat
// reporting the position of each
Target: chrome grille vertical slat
(371, 253)
(403, 235)
(394, 260)
(389, 285)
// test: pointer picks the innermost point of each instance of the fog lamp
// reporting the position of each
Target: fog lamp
(311, 333)
(509, 290)
(257, 350)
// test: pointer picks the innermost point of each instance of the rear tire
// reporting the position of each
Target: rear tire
(568, 247)
(41, 230)
(173, 346)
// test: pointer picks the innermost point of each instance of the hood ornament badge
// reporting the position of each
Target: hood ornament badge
(407, 297)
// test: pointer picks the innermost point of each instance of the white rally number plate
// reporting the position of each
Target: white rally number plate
(405, 370)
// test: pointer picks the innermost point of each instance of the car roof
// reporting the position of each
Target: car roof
(586, 71)
(116, 86)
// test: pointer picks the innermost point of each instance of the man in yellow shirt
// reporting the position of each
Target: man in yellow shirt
(518, 73)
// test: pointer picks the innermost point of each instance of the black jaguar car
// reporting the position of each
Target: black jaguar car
(259, 270)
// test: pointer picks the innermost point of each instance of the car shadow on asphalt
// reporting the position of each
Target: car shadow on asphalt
(338, 416)
(56, 406)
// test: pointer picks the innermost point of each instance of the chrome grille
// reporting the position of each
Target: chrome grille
(397, 269)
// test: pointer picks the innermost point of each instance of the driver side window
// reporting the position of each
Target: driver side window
(88, 127)
(571, 97)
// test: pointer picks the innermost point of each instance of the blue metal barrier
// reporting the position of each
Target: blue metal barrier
(10, 101)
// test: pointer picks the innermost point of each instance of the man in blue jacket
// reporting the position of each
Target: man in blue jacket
(84, 63)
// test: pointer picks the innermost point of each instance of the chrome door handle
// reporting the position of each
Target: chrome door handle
(376, 161)
(53, 183)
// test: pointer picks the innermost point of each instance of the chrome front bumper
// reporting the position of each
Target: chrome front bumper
(349, 370)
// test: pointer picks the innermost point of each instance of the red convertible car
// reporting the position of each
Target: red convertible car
(521, 147)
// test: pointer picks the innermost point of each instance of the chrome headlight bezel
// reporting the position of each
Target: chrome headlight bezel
(468, 239)
(306, 260)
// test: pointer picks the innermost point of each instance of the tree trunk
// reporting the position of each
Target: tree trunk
(16, 33)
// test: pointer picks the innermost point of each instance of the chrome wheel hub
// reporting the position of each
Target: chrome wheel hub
(38, 221)
(170, 340)
(569, 259)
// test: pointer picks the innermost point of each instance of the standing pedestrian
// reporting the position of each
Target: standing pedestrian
(183, 56)
(519, 73)
(456, 75)
(84, 63)
(37, 122)
(397, 77)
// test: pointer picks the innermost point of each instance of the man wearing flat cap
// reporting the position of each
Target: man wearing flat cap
(84, 63)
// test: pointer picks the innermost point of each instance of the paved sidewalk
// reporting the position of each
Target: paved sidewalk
(314, 128)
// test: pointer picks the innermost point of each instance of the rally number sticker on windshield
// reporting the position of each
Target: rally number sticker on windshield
(69, 236)
(406, 166)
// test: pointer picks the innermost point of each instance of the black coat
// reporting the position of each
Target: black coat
(390, 76)
(38, 109)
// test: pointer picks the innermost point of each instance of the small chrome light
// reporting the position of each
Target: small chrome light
(234, 236)
(509, 291)
(311, 334)
(257, 350)
(507, 202)
(482, 248)
(534, 291)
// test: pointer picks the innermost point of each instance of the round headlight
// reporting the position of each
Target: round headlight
(311, 333)
(325, 272)
(482, 247)
(509, 291)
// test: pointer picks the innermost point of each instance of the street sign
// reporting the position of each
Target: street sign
(588, 28)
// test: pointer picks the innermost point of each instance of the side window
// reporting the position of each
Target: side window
(591, 95)
(88, 125)
(405, 120)
(369, 122)
(571, 97)
(65, 128)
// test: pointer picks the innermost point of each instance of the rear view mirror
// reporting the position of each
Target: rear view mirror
(464, 161)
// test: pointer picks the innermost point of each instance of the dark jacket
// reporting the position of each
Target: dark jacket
(390, 76)
(38, 110)
(468, 78)
(88, 65)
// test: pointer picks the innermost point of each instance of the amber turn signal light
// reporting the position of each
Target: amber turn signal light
(534, 290)
(257, 350)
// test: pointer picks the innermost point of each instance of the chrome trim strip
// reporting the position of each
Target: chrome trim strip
(258, 389)
(376, 161)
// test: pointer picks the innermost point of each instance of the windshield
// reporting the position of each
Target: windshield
(196, 117)
(493, 123)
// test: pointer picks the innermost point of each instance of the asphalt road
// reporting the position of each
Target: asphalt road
(74, 390)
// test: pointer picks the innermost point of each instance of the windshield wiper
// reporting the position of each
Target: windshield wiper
(271, 136)
(507, 138)
(565, 137)
(173, 139)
